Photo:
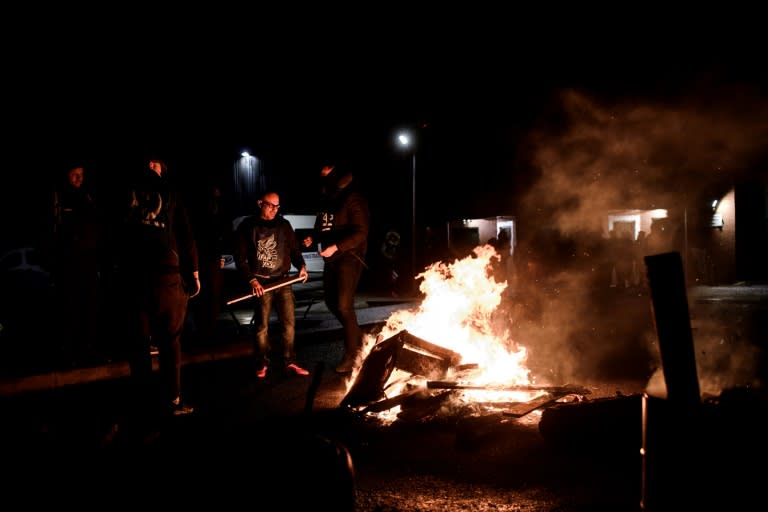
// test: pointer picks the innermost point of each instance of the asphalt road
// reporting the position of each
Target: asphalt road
(283, 444)
(72, 437)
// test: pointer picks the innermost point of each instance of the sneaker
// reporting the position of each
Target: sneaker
(262, 373)
(179, 408)
(346, 366)
(298, 370)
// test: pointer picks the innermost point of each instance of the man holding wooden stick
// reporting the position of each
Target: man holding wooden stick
(265, 248)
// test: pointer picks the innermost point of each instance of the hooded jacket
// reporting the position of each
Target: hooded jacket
(158, 236)
(343, 217)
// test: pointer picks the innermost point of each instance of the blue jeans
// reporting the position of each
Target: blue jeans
(284, 303)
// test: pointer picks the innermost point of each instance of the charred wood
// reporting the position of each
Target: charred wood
(566, 390)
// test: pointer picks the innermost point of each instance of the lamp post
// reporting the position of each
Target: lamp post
(406, 141)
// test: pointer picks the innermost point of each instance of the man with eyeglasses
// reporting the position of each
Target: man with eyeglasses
(265, 247)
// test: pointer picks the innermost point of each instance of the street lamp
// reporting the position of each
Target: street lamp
(406, 141)
(249, 179)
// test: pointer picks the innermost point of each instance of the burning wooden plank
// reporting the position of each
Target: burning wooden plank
(427, 365)
(452, 358)
(374, 373)
(565, 390)
(405, 352)
(389, 403)
(522, 409)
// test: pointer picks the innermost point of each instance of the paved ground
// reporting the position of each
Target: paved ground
(284, 440)
(280, 426)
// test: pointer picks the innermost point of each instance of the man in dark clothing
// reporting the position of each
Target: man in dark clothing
(158, 263)
(76, 266)
(213, 234)
(341, 228)
(266, 246)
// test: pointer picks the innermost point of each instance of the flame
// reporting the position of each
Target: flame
(458, 313)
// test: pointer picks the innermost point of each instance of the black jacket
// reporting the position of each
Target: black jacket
(158, 236)
(343, 217)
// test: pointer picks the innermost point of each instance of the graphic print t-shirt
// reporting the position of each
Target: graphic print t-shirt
(265, 248)
(267, 254)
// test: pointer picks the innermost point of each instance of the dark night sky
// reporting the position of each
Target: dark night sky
(110, 95)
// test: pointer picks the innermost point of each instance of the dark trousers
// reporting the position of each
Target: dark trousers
(340, 279)
(284, 302)
(77, 289)
(156, 317)
(207, 305)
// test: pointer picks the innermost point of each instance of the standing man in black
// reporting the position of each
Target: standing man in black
(341, 228)
(158, 263)
(266, 246)
(212, 228)
(76, 267)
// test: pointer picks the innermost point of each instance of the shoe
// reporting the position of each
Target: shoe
(346, 366)
(298, 370)
(262, 373)
(179, 408)
(153, 350)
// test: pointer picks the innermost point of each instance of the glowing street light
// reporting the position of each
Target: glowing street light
(249, 179)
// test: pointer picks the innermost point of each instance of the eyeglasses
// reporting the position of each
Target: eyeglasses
(269, 205)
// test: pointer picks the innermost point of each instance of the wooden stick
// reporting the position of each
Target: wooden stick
(520, 410)
(275, 286)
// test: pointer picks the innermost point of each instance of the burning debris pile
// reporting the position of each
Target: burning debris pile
(470, 366)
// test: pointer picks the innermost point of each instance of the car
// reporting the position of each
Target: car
(22, 259)
(25, 291)
(22, 273)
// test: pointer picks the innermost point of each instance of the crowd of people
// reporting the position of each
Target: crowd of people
(156, 256)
